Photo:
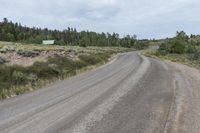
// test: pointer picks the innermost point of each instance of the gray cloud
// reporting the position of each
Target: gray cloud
(147, 19)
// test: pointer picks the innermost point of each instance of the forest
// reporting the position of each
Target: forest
(15, 32)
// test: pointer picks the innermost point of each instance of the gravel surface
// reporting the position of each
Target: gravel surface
(131, 94)
(185, 112)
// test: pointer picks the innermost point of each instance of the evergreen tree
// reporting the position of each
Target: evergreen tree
(10, 31)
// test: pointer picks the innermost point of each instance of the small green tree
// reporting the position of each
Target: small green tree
(182, 36)
(164, 48)
(177, 46)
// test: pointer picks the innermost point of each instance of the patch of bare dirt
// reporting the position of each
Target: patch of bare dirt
(185, 112)
(13, 58)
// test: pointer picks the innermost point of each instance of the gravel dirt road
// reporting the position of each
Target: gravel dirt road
(131, 94)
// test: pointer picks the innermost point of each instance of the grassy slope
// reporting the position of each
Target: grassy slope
(15, 79)
(180, 58)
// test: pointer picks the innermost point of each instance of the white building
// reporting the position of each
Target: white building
(48, 42)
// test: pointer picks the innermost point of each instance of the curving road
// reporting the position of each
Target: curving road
(131, 94)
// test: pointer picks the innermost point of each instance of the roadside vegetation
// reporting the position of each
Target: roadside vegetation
(26, 64)
(60, 62)
(182, 48)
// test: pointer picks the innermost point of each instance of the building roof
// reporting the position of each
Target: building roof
(48, 41)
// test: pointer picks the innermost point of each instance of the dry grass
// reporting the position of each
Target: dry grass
(18, 79)
(179, 58)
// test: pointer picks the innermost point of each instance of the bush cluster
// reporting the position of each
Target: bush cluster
(196, 55)
(180, 45)
(27, 53)
(55, 67)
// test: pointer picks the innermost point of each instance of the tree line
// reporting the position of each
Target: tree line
(15, 32)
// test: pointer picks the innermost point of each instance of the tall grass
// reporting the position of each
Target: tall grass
(15, 80)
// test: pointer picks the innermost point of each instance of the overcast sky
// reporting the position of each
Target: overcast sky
(145, 18)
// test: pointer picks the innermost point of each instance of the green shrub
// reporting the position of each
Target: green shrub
(11, 75)
(27, 53)
(16, 76)
(5, 76)
(178, 47)
(197, 55)
(190, 49)
(32, 78)
(62, 62)
(80, 64)
(19, 78)
(104, 56)
(90, 59)
(164, 48)
(64, 65)
(2, 93)
(140, 45)
(6, 49)
(43, 70)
